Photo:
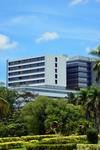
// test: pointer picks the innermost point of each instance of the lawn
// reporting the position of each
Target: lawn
(19, 148)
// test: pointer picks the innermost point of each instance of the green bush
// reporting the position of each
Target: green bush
(9, 145)
(92, 136)
(88, 147)
(37, 137)
(51, 146)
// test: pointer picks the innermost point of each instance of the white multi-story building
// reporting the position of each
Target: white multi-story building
(50, 75)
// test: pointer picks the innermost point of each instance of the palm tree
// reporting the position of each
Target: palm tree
(94, 98)
(82, 99)
(4, 107)
(96, 67)
(71, 98)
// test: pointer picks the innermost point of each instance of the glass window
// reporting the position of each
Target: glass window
(27, 66)
(55, 81)
(83, 68)
(27, 77)
(82, 84)
(55, 64)
(29, 82)
(82, 73)
(79, 62)
(85, 79)
(55, 59)
(27, 71)
(55, 70)
(55, 75)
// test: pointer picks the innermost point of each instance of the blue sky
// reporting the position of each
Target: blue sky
(36, 27)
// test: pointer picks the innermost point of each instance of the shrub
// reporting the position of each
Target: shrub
(88, 147)
(50, 146)
(92, 136)
(9, 145)
(37, 137)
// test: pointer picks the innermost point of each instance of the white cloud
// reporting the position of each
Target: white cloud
(4, 42)
(74, 2)
(47, 36)
(88, 49)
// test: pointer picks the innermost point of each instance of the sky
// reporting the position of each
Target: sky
(31, 28)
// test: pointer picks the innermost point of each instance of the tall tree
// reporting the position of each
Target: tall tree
(71, 98)
(4, 107)
(9, 95)
(96, 67)
(82, 100)
(94, 98)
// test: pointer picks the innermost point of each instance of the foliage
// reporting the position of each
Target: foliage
(71, 98)
(4, 107)
(96, 67)
(50, 146)
(10, 145)
(46, 115)
(83, 127)
(10, 96)
(88, 146)
(24, 98)
(92, 136)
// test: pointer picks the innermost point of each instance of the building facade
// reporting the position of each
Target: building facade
(52, 72)
(79, 72)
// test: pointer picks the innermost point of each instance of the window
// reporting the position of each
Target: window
(27, 77)
(83, 68)
(82, 84)
(29, 82)
(85, 79)
(82, 73)
(55, 59)
(55, 81)
(27, 66)
(55, 75)
(27, 71)
(55, 64)
(27, 60)
(55, 70)
(79, 62)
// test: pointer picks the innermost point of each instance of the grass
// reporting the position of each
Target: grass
(19, 148)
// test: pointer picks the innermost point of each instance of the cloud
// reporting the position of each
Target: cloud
(75, 2)
(4, 42)
(47, 36)
(88, 49)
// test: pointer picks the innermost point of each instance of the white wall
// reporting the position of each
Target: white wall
(50, 70)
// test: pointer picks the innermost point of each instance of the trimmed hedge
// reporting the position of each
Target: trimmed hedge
(88, 147)
(9, 145)
(51, 146)
(37, 137)
(43, 137)
(9, 139)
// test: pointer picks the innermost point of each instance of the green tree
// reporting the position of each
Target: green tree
(10, 96)
(82, 99)
(71, 98)
(96, 67)
(34, 114)
(46, 114)
(94, 98)
(4, 107)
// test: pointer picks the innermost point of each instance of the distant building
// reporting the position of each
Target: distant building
(50, 75)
